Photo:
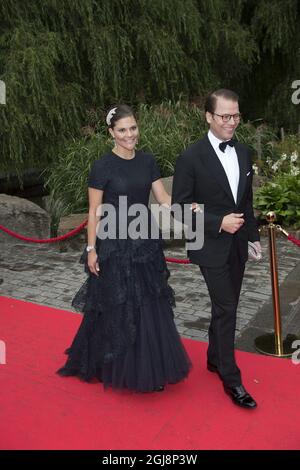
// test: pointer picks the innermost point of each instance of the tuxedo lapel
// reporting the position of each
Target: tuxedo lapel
(243, 171)
(213, 164)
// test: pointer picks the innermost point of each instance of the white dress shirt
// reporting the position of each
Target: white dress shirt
(229, 161)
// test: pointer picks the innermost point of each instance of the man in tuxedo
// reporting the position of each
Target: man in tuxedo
(217, 172)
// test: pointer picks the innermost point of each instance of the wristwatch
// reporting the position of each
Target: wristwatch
(90, 248)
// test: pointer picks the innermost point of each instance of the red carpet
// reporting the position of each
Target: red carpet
(40, 410)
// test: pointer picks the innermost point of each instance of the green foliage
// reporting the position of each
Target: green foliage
(289, 145)
(43, 105)
(260, 139)
(68, 175)
(165, 130)
(281, 195)
(59, 60)
(282, 192)
(282, 159)
(275, 26)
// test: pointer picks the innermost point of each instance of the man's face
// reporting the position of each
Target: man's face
(223, 130)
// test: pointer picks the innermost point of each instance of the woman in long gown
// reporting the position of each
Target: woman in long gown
(127, 337)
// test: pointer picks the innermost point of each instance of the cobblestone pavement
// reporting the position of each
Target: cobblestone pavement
(42, 274)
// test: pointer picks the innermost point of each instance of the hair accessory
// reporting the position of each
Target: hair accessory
(110, 115)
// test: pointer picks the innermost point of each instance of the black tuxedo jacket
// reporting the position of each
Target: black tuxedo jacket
(200, 177)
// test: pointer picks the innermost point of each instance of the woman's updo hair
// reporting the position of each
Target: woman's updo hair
(118, 112)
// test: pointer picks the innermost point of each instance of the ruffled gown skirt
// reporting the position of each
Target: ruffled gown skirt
(127, 337)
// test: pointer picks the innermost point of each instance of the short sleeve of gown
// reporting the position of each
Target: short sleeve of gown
(155, 171)
(98, 177)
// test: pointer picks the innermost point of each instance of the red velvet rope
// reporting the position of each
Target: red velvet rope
(44, 240)
(68, 235)
(178, 261)
(294, 240)
(81, 226)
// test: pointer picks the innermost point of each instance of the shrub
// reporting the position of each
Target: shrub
(165, 130)
(281, 195)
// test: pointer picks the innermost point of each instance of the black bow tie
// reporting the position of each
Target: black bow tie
(222, 145)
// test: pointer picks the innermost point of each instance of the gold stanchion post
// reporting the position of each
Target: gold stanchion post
(272, 344)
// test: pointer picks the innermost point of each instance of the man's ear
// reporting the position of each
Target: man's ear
(208, 117)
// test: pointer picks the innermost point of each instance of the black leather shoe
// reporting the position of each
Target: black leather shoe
(160, 388)
(240, 397)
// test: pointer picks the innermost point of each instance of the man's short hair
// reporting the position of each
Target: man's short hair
(211, 100)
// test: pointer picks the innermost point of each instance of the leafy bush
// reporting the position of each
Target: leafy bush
(165, 130)
(67, 177)
(281, 195)
(289, 145)
(59, 59)
(284, 158)
(259, 138)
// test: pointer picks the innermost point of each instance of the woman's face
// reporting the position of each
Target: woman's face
(125, 133)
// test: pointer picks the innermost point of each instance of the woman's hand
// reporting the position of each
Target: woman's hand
(93, 262)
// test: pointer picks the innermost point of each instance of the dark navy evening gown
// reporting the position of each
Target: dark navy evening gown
(127, 337)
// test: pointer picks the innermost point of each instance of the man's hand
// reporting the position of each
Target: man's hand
(231, 223)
